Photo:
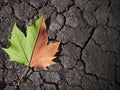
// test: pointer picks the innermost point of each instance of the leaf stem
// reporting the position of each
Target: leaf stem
(23, 75)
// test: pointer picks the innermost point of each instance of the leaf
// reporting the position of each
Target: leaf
(32, 50)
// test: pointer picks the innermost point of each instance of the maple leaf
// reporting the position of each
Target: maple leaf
(33, 49)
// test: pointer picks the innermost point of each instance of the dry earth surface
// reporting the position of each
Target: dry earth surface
(89, 57)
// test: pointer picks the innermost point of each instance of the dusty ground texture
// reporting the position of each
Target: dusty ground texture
(89, 57)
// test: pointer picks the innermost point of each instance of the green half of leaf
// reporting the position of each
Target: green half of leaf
(21, 47)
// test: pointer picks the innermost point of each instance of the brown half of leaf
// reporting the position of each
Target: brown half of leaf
(43, 53)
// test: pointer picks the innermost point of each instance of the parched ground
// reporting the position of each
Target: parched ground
(89, 57)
